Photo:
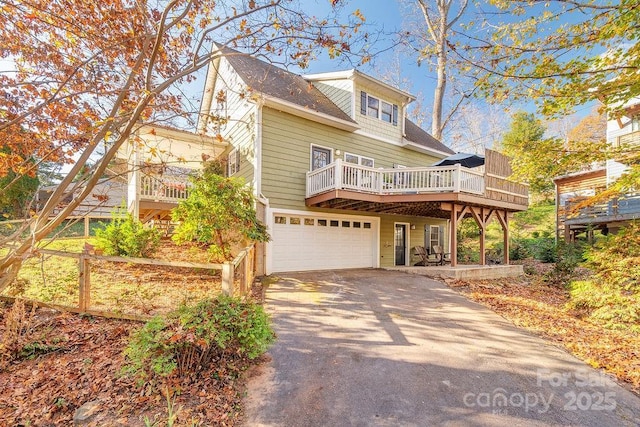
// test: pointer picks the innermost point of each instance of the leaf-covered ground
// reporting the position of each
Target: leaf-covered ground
(532, 304)
(77, 359)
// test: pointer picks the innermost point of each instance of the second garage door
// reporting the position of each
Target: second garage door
(302, 242)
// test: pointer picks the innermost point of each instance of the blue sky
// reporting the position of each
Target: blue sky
(482, 125)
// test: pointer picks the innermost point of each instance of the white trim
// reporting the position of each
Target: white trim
(306, 113)
(332, 75)
(353, 99)
(258, 145)
(360, 157)
(407, 241)
(439, 242)
(410, 145)
(311, 145)
(272, 212)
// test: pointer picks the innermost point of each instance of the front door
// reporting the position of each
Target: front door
(401, 244)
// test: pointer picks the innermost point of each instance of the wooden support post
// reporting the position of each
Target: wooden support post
(503, 218)
(86, 226)
(227, 278)
(479, 216)
(84, 294)
(454, 236)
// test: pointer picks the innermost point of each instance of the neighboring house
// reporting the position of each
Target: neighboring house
(343, 179)
(575, 188)
(109, 194)
(160, 161)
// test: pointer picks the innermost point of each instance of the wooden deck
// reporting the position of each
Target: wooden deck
(414, 191)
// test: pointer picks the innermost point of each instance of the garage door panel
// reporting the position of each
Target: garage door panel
(300, 243)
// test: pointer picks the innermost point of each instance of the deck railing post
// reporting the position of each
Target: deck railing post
(457, 178)
(338, 183)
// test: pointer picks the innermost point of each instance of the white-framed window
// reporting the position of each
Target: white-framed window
(379, 109)
(233, 162)
(359, 160)
(320, 156)
(432, 237)
(635, 123)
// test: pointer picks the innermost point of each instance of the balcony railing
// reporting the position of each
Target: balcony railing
(624, 207)
(164, 188)
(632, 138)
(435, 179)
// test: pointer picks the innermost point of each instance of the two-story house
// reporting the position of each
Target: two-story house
(342, 177)
(571, 189)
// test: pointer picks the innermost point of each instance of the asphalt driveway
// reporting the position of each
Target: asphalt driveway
(372, 347)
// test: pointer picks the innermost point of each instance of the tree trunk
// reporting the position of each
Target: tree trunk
(438, 96)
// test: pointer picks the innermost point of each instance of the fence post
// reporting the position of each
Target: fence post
(86, 226)
(248, 271)
(227, 278)
(84, 294)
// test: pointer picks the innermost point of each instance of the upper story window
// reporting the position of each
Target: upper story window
(233, 162)
(635, 123)
(379, 109)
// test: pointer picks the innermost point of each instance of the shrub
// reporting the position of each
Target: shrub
(218, 213)
(18, 331)
(518, 250)
(612, 295)
(191, 338)
(545, 250)
(128, 237)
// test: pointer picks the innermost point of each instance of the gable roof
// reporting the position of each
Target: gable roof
(417, 135)
(275, 82)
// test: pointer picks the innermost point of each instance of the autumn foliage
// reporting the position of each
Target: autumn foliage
(87, 74)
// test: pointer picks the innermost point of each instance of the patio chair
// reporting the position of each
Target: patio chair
(427, 259)
(444, 258)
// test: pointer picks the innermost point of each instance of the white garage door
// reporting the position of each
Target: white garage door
(302, 242)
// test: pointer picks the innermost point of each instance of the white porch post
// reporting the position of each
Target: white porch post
(338, 183)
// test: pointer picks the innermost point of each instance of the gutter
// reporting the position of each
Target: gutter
(297, 110)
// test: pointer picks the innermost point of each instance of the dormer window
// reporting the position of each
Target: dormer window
(378, 109)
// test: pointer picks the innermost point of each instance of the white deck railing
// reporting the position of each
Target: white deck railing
(164, 188)
(434, 179)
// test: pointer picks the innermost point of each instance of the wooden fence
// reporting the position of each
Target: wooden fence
(237, 277)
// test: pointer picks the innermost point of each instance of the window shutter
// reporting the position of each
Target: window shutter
(363, 102)
(395, 115)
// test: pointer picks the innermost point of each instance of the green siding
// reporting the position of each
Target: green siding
(286, 151)
(416, 237)
(241, 135)
(338, 91)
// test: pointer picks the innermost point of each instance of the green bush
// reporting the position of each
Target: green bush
(545, 249)
(128, 237)
(612, 295)
(518, 250)
(218, 213)
(191, 338)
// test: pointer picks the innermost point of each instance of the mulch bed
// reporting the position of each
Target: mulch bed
(81, 362)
